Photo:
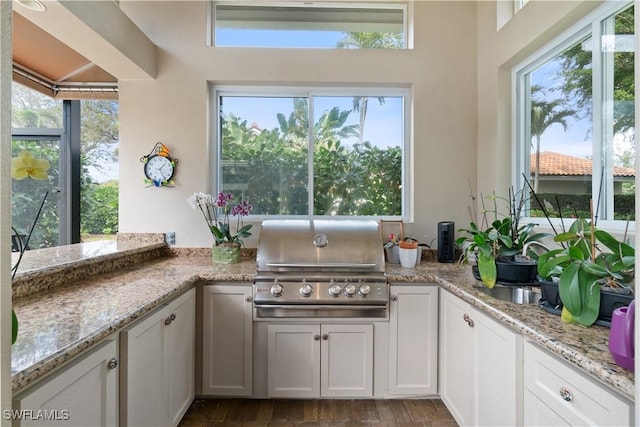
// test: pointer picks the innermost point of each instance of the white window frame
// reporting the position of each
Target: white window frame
(590, 24)
(215, 152)
(404, 6)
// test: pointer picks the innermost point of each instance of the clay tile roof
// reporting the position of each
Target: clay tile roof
(557, 164)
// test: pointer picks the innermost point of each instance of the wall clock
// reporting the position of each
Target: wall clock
(159, 167)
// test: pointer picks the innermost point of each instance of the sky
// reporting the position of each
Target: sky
(383, 126)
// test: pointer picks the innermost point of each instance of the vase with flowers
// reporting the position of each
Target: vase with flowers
(217, 212)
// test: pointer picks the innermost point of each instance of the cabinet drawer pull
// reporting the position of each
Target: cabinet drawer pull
(316, 337)
(468, 319)
(394, 298)
(566, 395)
(113, 363)
(325, 336)
(248, 299)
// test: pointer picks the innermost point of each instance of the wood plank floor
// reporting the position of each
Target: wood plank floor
(317, 412)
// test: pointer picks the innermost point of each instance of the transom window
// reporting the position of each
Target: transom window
(310, 25)
(576, 121)
(303, 153)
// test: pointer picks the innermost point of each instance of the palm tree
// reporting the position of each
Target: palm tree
(368, 40)
(544, 114)
(360, 105)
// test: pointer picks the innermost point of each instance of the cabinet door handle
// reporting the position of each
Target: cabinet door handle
(394, 298)
(248, 299)
(113, 363)
(325, 336)
(468, 319)
(316, 337)
(170, 319)
(566, 394)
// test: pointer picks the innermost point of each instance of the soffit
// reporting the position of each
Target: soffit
(44, 63)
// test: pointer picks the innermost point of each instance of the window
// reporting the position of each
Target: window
(576, 123)
(81, 183)
(310, 25)
(302, 153)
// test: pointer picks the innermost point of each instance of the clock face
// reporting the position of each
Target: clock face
(159, 168)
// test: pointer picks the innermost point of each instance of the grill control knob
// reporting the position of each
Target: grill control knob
(364, 290)
(349, 290)
(277, 290)
(306, 290)
(335, 290)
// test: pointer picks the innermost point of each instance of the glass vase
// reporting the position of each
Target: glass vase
(225, 253)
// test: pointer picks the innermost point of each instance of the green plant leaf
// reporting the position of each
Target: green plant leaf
(566, 237)
(14, 326)
(614, 245)
(595, 269)
(569, 288)
(549, 260)
(576, 253)
(580, 292)
(487, 269)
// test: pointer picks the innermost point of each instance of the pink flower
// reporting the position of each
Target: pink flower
(223, 199)
(243, 208)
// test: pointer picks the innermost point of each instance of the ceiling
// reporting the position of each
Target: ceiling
(47, 65)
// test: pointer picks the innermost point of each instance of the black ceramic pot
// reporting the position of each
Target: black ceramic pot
(512, 272)
(609, 301)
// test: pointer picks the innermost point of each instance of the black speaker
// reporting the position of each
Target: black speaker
(446, 241)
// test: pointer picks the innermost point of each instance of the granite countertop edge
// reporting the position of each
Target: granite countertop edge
(452, 277)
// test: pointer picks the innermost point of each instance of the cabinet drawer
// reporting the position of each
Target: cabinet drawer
(586, 401)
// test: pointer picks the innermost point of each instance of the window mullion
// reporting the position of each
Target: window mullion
(602, 96)
(310, 144)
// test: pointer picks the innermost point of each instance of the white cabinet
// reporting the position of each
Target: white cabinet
(313, 360)
(558, 394)
(227, 339)
(413, 340)
(158, 365)
(480, 366)
(83, 393)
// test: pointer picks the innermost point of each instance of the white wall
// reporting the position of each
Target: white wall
(535, 24)
(5, 207)
(440, 72)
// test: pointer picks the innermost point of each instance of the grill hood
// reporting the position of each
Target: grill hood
(318, 245)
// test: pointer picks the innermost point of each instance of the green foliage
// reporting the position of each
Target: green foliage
(588, 259)
(577, 205)
(99, 210)
(99, 138)
(270, 169)
(577, 74)
(27, 196)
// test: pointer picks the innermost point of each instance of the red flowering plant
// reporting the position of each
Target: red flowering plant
(218, 211)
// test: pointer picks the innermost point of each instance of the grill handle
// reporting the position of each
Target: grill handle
(352, 265)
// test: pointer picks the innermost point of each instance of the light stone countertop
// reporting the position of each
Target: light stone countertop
(59, 323)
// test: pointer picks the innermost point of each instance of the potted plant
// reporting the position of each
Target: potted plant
(500, 248)
(592, 271)
(226, 248)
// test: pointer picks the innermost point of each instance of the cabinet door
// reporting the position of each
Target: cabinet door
(346, 360)
(538, 414)
(457, 363)
(413, 340)
(293, 353)
(142, 396)
(498, 355)
(180, 352)
(227, 340)
(84, 393)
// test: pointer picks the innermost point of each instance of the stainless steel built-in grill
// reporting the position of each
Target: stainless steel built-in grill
(320, 268)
